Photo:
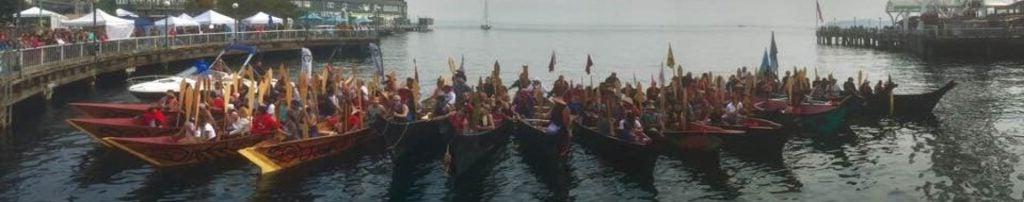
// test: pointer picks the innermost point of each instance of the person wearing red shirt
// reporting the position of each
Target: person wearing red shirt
(264, 123)
(355, 120)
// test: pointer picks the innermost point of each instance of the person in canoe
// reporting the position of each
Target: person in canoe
(240, 121)
(169, 101)
(559, 117)
(154, 117)
(264, 123)
(399, 111)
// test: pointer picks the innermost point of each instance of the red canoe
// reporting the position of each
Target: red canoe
(118, 127)
(167, 151)
(114, 110)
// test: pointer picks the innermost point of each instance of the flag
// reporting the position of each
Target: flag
(590, 63)
(671, 61)
(661, 75)
(551, 65)
(821, 18)
(765, 64)
(773, 54)
(462, 63)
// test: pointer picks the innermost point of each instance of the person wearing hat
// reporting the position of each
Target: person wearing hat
(629, 126)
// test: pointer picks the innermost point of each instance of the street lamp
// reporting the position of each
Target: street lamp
(167, 28)
(234, 8)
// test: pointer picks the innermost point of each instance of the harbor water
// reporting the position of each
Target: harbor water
(969, 150)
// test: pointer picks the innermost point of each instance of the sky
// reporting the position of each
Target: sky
(647, 12)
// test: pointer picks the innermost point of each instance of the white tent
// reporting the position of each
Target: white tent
(36, 12)
(186, 16)
(125, 13)
(262, 18)
(176, 22)
(214, 18)
(117, 28)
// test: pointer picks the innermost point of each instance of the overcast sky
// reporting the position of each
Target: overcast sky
(648, 12)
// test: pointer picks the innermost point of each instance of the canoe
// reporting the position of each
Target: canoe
(910, 105)
(166, 151)
(821, 119)
(466, 150)
(542, 148)
(276, 157)
(99, 128)
(761, 137)
(422, 138)
(631, 155)
(699, 143)
(114, 110)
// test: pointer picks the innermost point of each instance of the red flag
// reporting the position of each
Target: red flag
(590, 63)
(821, 18)
(551, 66)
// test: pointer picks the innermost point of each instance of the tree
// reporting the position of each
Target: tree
(7, 10)
(278, 8)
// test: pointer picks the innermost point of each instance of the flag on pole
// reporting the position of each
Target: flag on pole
(821, 18)
(765, 64)
(590, 63)
(462, 63)
(773, 54)
(671, 61)
(551, 65)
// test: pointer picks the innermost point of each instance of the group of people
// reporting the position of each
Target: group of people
(10, 39)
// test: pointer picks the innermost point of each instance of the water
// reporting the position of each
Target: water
(970, 149)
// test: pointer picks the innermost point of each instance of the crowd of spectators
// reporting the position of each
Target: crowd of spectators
(13, 38)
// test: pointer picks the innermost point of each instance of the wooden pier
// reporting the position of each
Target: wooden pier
(930, 42)
(37, 71)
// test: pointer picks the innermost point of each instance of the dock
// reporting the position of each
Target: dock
(930, 42)
(37, 71)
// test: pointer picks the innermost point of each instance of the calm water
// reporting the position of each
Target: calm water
(970, 150)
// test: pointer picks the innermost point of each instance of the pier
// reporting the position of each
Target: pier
(930, 42)
(37, 71)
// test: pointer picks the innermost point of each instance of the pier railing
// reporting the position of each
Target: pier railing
(929, 33)
(28, 60)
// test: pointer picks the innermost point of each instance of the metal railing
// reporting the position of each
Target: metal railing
(14, 62)
(932, 32)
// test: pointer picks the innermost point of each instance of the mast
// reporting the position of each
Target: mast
(487, 19)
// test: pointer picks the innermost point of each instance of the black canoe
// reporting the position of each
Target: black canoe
(627, 155)
(911, 105)
(700, 142)
(466, 150)
(539, 146)
(411, 140)
(760, 138)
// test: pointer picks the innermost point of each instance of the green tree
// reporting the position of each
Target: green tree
(278, 8)
(108, 6)
(7, 10)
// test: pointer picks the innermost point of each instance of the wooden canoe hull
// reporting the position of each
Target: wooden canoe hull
(764, 138)
(166, 152)
(99, 128)
(417, 140)
(465, 151)
(913, 105)
(623, 155)
(276, 157)
(819, 119)
(114, 110)
(547, 155)
(699, 143)
(543, 148)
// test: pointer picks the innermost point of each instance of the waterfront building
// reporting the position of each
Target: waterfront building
(384, 10)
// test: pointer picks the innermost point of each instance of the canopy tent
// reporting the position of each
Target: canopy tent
(176, 22)
(186, 16)
(36, 12)
(311, 17)
(117, 28)
(361, 20)
(262, 18)
(211, 17)
(125, 13)
(335, 20)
